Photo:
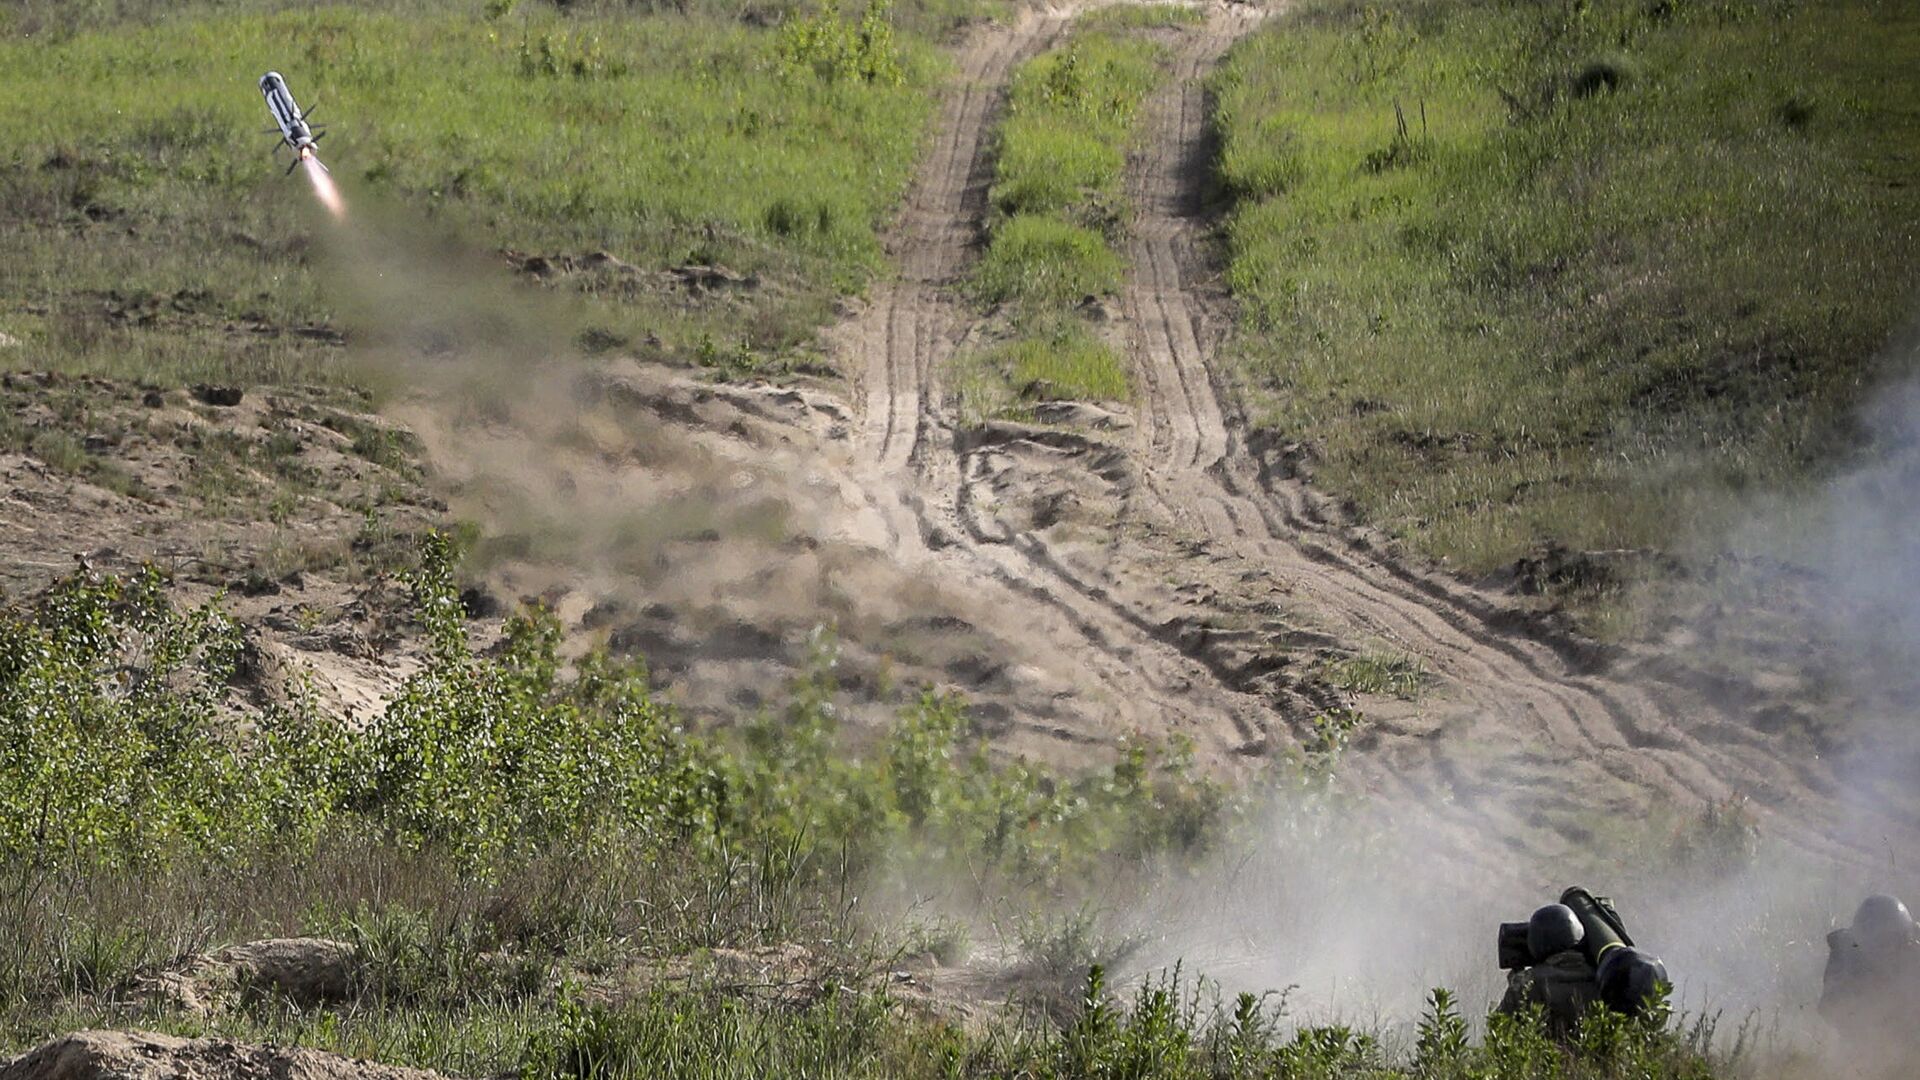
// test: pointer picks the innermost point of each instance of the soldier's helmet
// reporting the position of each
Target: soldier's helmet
(1553, 929)
(1627, 978)
(1882, 922)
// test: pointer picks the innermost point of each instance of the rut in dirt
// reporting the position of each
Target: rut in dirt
(910, 459)
(1223, 583)
(1514, 727)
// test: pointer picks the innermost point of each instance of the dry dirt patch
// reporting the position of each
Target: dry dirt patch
(138, 1055)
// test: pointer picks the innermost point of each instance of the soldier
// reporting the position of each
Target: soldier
(1560, 978)
(1577, 952)
(1871, 989)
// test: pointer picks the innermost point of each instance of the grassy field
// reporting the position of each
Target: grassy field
(1058, 212)
(514, 852)
(1577, 273)
(150, 234)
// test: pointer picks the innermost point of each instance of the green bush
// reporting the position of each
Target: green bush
(116, 744)
(109, 742)
(830, 48)
(508, 816)
(503, 755)
(118, 747)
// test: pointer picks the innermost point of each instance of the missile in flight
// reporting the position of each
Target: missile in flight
(294, 131)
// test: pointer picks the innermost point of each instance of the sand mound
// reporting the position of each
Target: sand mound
(138, 1055)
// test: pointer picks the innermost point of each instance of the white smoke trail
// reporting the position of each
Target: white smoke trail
(324, 188)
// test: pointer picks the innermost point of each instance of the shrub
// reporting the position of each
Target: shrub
(504, 755)
(111, 744)
(833, 49)
(117, 747)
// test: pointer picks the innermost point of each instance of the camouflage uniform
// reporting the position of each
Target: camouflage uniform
(1871, 994)
(1564, 983)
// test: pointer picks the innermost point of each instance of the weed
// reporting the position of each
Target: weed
(946, 941)
(1070, 946)
(830, 48)
(669, 166)
(1395, 675)
(1330, 732)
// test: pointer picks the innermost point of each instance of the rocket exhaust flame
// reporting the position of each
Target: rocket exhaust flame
(324, 188)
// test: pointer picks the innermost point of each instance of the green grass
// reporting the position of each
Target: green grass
(1069, 365)
(1058, 213)
(1045, 263)
(1063, 362)
(1060, 153)
(1061, 150)
(1379, 673)
(1171, 1028)
(149, 232)
(1580, 274)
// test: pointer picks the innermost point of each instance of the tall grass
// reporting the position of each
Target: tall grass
(1539, 272)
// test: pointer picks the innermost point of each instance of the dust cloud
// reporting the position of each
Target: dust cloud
(1353, 912)
(1356, 909)
(713, 529)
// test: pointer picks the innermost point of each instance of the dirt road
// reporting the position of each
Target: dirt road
(914, 460)
(1200, 586)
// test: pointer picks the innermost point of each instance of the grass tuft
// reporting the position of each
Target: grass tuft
(1046, 262)
(1394, 675)
(1062, 362)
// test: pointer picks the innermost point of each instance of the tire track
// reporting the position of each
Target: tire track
(1507, 685)
(924, 481)
(915, 479)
